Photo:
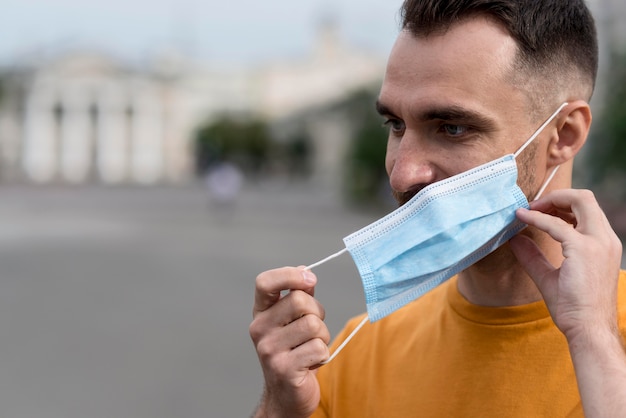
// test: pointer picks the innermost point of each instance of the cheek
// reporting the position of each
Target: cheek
(527, 173)
(390, 157)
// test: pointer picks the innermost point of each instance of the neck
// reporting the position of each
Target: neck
(499, 280)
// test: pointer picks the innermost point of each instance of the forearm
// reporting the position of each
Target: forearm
(263, 410)
(600, 364)
(266, 411)
(273, 407)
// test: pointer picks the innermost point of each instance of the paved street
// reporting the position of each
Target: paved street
(135, 302)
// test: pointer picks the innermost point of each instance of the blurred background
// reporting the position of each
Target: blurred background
(156, 156)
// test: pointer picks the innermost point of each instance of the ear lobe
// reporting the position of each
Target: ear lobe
(572, 129)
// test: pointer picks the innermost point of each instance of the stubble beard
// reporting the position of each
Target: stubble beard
(503, 257)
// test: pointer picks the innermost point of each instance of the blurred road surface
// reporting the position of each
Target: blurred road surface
(135, 302)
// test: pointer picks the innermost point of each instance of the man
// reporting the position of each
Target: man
(531, 329)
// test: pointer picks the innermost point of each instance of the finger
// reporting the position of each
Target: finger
(290, 309)
(582, 203)
(269, 284)
(293, 306)
(303, 329)
(280, 341)
(288, 364)
(531, 259)
(310, 354)
(556, 227)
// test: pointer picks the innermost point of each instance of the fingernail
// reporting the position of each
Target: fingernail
(309, 278)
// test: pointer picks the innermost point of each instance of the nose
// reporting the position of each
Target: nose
(408, 166)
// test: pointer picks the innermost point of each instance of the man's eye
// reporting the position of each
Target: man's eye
(395, 125)
(454, 130)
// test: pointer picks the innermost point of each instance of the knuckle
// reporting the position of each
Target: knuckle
(299, 300)
(255, 331)
(320, 346)
(321, 310)
(587, 195)
(266, 351)
(308, 325)
(278, 365)
(325, 335)
(298, 297)
(303, 304)
(311, 325)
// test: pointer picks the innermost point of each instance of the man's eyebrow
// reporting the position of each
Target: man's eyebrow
(458, 114)
(382, 109)
(447, 113)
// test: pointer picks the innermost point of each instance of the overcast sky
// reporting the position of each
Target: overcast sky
(237, 31)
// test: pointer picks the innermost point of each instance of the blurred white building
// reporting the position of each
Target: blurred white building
(87, 117)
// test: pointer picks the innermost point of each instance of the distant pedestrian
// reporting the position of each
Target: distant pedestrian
(224, 182)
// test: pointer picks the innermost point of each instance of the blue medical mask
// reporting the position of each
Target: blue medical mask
(445, 228)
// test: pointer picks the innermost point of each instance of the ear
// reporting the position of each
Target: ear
(572, 128)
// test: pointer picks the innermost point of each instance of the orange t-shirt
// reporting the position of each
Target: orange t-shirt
(442, 356)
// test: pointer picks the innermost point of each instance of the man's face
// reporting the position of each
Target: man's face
(450, 108)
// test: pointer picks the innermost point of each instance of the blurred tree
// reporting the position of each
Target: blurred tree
(250, 144)
(607, 155)
(297, 153)
(365, 177)
(246, 142)
(1, 87)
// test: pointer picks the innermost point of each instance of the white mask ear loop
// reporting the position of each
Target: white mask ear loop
(346, 341)
(531, 139)
(545, 184)
(538, 131)
(358, 327)
(330, 257)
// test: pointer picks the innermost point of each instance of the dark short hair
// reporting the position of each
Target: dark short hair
(554, 37)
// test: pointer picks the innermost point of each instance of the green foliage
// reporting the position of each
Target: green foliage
(297, 153)
(607, 158)
(249, 144)
(365, 174)
(245, 142)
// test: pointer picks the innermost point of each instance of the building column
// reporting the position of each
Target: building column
(147, 136)
(112, 158)
(40, 150)
(76, 145)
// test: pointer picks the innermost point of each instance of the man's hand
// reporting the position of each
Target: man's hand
(291, 340)
(581, 294)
